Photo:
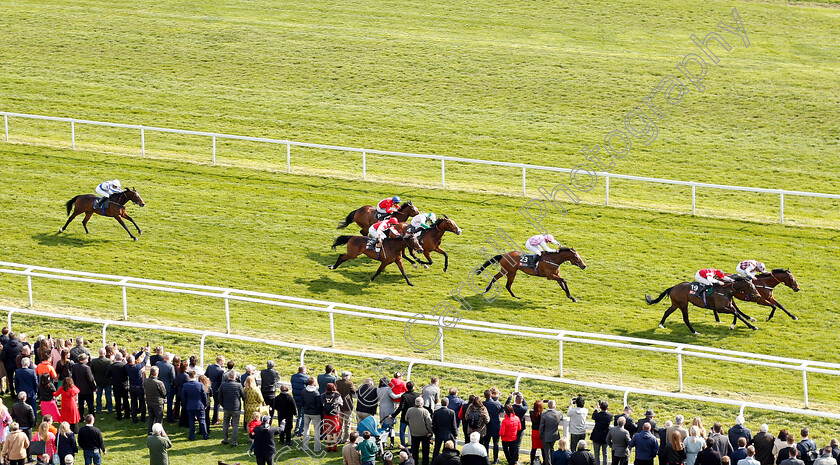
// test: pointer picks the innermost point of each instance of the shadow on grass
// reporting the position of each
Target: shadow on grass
(69, 240)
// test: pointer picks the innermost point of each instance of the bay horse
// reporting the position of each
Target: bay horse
(391, 251)
(430, 240)
(764, 283)
(720, 301)
(547, 267)
(114, 208)
(366, 216)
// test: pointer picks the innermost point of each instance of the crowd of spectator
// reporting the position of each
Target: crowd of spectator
(59, 387)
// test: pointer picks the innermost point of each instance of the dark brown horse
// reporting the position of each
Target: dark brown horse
(114, 208)
(548, 267)
(764, 283)
(430, 240)
(720, 301)
(366, 216)
(391, 251)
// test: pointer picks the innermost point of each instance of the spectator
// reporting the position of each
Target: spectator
(5, 419)
(629, 424)
(325, 378)
(405, 458)
(44, 366)
(509, 434)
(826, 457)
(397, 385)
(27, 381)
(250, 370)
(792, 456)
(331, 403)
(474, 453)
(155, 393)
(159, 445)
(449, 456)
(65, 442)
(349, 454)
(750, 459)
(11, 349)
(368, 400)
(582, 456)
(205, 383)
(23, 415)
(231, 397)
(134, 370)
(663, 441)
(194, 398)
(618, 439)
(701, 431)
(763, 443)
(536, 443)
(779, 444)
(741, 452)
(603, 419)
(693, 445)
(156, 357)
(406, 402)
(346, 389)
(577, 414)
(675, 450)
(264, 447)
(739, 431)
(181, 378)
(193, 366)
(79, 349)
(455, 404)
(286, 409)
(476, 418)
(298, 385)
(444, 426)
(710, 455)
(790, 443)
(69, 408)
(562, 456)
(83, 379)
(494, 409)
(420, 425)
(520, 408)
(367, 447)
(269, 379)
(645, 444)
(677, 426)
(550, 424)
(16, 444)
(214, 373)
(312, 415)
(90, 441)
(44, 434)
(253, 398)
(835, 448)
(118, 378)
(386, 399)
(166, 375)
(431, 394)
(807, 447)
(722, 444)
(99, 368)
(64, 367)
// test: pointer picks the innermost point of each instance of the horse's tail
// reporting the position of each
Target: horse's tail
(651, 301)
(488, 263)
(70, 203)
(341, 240)
(347, 221)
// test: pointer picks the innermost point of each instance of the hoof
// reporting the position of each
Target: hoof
(663, 327)
(574, 300)
(409, 283)
(753, 319)
(444, 270)
(414, 265)
(696, 333)
(754, 328)
(330, 267)
(768, 319)
(60, 229)
(425, 266)
(134, 238)
(795, 318)
(731, 327)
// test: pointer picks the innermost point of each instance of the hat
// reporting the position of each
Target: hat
(648, 413)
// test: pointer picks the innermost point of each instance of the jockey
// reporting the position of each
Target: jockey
(709, 276)
(378, 230)
(750, 268)
(108, 187)
(389, 205)
(537, 244)
(423, 221)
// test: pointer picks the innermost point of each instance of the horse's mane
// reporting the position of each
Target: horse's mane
(561, 249)
(772, 272)
(779, 270)
(405, 205)
(737, 277)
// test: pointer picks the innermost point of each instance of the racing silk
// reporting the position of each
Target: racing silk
(539, 241)
(388, 205)
(109, 187)
(378, 229)
(749, 268)
(711, 276)
(421, 221)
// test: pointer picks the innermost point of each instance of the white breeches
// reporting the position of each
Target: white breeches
(102, 193)
(373, 232)
(535, 249)
(703, 280)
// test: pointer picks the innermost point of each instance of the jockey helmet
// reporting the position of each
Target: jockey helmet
(396, 199)
(760, 267)
(392, 220)
(116, 183)
(549, 238)
(432, 218)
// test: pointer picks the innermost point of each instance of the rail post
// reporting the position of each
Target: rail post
(302, 353)
(288, 158)
(524, 192)
(364, 166)
(29, 286)
(9, 319)
(741, 411)
(105, 335)
(332, 326)
(440, 333)
(201, 349)
(214, 150)
(6, 125)
(805, 383)
(408, 372)
(73, 133)
(125, 299)
(560, 351)
(607, 191)
(680, 365)
(693, 198)
(626, 393)
(443, 173)
(516, 384)
(142, 142)
(227, 310)
(781, 208)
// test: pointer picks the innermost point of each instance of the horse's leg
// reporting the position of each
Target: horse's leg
(124, 227)
(87, 217)
(740, 316)
(341, 259)
(685, 319)
(381, 267)
(493, 281)
(564, 285)
(75, 214)
(717, 317)
(409, 260)
(667, 314)
(742, 313)
(445, 257)
(402, 270)
(777, 304)
(510, 277)
(139, 232)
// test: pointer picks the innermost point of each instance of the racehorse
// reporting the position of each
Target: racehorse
(547, 266)
(430, 240)
(114, 207)
(366, 216)
(720, 301)
(764, 283)
(391, 251)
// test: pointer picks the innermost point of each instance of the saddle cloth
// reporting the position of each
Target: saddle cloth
(701, 290)
(380, 216)
(529, 260)
(371, 243)
(101, 203)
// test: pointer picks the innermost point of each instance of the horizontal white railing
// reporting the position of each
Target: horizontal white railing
(443, 159)
(518, 375)
(368, 313)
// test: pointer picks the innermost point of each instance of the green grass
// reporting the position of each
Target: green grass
(516, 81)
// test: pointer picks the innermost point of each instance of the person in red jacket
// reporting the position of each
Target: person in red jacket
(709, 276)
(508, 433)
(388, 206)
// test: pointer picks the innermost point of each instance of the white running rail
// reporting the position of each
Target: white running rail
(443, 159)
(335, 308)
(414, 361)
